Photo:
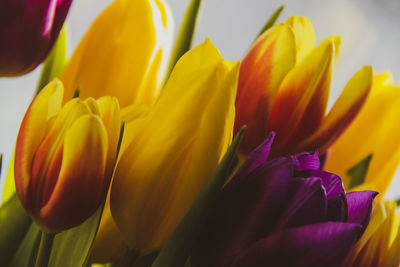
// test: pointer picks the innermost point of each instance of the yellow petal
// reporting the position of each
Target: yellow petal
(261, 73)
(152, 189)
(111, 116)
(124, 53)
(342, 113)
(373, 131)
(82, 172)
(133, 116)
(300, 105)
(32, 131)
(109, 244)
(392, 257)
(304, 33)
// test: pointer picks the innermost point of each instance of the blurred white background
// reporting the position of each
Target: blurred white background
(369, 31)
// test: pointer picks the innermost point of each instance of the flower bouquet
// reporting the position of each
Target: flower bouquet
(140, 151)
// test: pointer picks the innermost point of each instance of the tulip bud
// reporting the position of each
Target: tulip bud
(176, 148)
(284, 87)
(65, 156)
(28, 30)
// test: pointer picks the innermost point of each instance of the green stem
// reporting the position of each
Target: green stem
(46, 243)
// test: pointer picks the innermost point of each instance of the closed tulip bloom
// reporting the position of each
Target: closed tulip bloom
(284, 85)
(283, 212)
(175, 149)
(124, 53)
(380, 244)
(65, 156)
(28, 30)
(375, 131)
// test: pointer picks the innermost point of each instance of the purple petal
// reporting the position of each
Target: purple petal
(360, 206)
(247, 210)
(331, 182)
(306, 161)
(28, 30)
(307, 204)
(337, 208)
(326, 244)
(257, 157)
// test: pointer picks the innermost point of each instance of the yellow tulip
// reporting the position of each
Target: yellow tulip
(375, 131)
(176, 148)
(65, 157)
(380, 244)
(284, 85)
(124, 54)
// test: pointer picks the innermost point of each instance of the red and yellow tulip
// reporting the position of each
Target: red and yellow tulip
(375, 131)
(171, 157)
(124, 54)
(284, 85)
(65, 157)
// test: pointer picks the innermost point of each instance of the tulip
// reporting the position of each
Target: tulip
(380, 244)
(124, 54)
(375, 131)
(284, 87)
(65, 156)
(284, 212)
(28, 30)
(175, 149)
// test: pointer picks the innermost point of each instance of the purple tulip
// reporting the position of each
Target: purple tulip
(284, 212)
(28, 30)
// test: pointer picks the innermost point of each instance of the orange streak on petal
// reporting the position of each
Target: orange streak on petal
(342, 113)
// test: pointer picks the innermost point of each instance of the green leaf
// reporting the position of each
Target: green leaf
(55, 61)
(186, 32)
(358, 172)
(176, 251)
(26, 253)
(9, 185)
(271, 21)
(14, 224)
(72, 248)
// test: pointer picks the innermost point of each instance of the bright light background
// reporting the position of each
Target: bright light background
(369, 31)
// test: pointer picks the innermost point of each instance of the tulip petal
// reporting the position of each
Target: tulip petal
(261, 73)
(326, 244)
(109, 243)
(246, 210)
(257, 157)
(342, 113)
(124, 53)
(306, 161)
(153, 172)
(331, 182)
(381, 109)
(304, 33)
(31, 133)
(307, 204)
(82, 172)
(359, 212)
(111, 117)
(376, 246)
(299, 107)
